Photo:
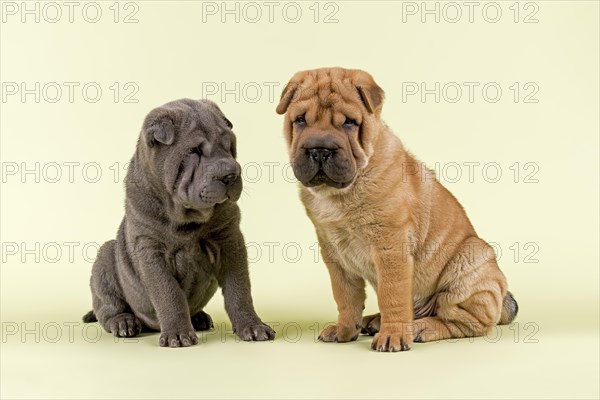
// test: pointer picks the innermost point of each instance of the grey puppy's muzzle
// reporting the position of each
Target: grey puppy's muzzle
(206, 182)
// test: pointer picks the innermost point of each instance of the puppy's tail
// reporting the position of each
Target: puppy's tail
(90, 317)
(510, 308)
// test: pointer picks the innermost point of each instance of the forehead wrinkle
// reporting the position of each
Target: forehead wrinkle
(327, 115)
(207, 147)
(204, 120)
(349, 94)
(226, 141)
(326, 93)
(302, 106)
(188, 124)
(350, 111)
(333, 99)
(216, 136)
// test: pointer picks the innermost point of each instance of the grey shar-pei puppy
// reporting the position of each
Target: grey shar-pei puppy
(180, 237)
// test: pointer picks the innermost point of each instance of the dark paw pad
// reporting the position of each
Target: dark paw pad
(201, 321)
(125, 325)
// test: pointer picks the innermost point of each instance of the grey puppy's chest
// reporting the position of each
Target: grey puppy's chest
(193, 260)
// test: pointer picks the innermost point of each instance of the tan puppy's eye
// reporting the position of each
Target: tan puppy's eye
(349, 123)
(300, 120)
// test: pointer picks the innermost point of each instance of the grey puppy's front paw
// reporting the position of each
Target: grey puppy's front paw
(256, 332)
(182, 338)
(124, 325)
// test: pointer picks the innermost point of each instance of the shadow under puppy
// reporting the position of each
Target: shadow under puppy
(180, 237)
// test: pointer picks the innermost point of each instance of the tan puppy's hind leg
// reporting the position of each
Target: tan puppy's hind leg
(473, 317)
(470, 298)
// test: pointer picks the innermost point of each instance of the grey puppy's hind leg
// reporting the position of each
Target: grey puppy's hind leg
(201, 321)
(89, 317)
(110, 308)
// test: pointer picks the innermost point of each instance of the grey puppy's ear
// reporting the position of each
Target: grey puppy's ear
(228, 122)
(159, 128)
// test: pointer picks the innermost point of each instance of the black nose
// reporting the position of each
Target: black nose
(229, 179)
(319, 154)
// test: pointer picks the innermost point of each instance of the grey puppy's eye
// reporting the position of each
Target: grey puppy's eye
(228, 122)
(197, 150)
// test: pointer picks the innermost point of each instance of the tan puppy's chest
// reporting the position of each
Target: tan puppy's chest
(341, 229)
(344, 229)
(354, 253)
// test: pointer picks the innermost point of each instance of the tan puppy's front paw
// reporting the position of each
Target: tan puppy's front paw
(392, 341)
(339, 333)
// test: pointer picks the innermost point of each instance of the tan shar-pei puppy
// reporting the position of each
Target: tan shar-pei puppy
(382, 217)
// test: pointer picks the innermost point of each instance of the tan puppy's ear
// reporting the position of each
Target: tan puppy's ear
(286, 97)
(370, 93)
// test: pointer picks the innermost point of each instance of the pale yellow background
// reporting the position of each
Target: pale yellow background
(169, 54)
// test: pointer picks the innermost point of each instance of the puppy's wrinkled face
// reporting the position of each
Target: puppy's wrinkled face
(192, 150)
(329, 127)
